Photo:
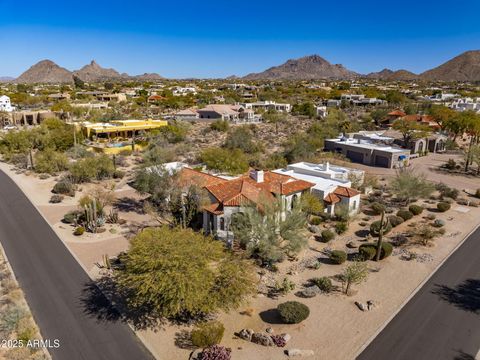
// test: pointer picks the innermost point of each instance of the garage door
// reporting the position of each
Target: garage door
(381, 161)
(355, 156)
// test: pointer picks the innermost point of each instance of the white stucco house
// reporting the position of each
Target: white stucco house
(332, 183)
(5, 104)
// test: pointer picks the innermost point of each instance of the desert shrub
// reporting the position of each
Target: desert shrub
(368, 251)
(377, 208)
(443, 206)
(64, 187)
(279, 340)
(375, 228)
(215, 352)
(208, 334)
(415, 209)
(220, 125)
(285, 286)
(324, 283)
(431, 216)
(71, 216)
(328, 235)
(293, 312)
(439, 223)
(56, 198)
(315, 220)
(341, 227)
(98, 167)
(446, 191)
(395, 220)
(50, 161)
(405, 214)
(79, 231)
(338, 256)
(118, 174)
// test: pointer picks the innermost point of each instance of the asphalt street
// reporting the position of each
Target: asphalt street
(54, 285)
(442, 321)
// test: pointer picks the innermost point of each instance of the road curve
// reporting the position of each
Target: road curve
(54, 282)
(442, 321)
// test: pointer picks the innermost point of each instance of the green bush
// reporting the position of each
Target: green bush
(208, 334)
(446, 191)
(324, 283)
(415, 209)
(377, 208)
(71, 216)
(315, 220)
(443, 206)
(341, 227)
(79, 231)
(220, 125)
(64, 187)
(293, 312)
(338, 256)
(395, 220)
(368, 251)
(328, 235)
(375, 228)
(56, 198)
(405, 214)
(50, 162)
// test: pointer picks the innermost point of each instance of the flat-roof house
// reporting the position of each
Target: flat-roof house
(187, 114)
(267, 105)
(369, 153)
(233, 113)
(332, 183)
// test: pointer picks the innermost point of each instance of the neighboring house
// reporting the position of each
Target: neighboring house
(465, 104)
(183, 91)
(360, 99)
(367, 152)
(187, 114)
(154, 98)
(112, 97)
(5, 104)
(332, 183)
(267, 105)
(392, 116)
(233, 113)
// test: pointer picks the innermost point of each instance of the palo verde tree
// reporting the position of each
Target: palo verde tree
(410, 130)
(267, 234)
(177, 273)
(407, 185)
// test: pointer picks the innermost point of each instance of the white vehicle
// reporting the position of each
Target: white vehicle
(9, 127)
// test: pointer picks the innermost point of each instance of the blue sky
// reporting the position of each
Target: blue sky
(221, 38)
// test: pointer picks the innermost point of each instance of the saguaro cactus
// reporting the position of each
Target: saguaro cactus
(381, 229)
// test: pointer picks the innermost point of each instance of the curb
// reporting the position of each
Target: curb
(414, 292)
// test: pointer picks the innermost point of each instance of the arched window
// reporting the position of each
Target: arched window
(222, 223)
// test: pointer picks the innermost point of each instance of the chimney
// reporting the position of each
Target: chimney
(257, 175)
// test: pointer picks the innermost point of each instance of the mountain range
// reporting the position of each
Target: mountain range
(46, 71)
(464, 67)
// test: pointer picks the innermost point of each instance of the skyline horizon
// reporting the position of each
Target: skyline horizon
(217, 39)
(106, 66)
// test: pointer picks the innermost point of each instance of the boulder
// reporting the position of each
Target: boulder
(269, 330)
(310, 292)
(352, 245)
(299, 352)
(262, 339)
(314, 229)
(286, 337)
(245, 334)
(195, 354)
(361, 306)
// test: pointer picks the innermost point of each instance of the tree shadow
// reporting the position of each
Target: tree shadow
(271, 316)
(461, 355)
(183, 340)
(96, 300)
(465, 296)
(127, 204)
(362, 233)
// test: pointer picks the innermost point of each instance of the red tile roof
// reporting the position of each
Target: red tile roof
(396, 113)
(189, 177)
(345, 191)
(331, 199)
(244, 189)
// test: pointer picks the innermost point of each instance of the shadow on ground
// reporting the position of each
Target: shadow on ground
(96, 303)
(461, 355)
(465, 296)
(127, 204)
(271, 316)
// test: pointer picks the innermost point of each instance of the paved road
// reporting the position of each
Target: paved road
(54, 285)
(442, 321)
